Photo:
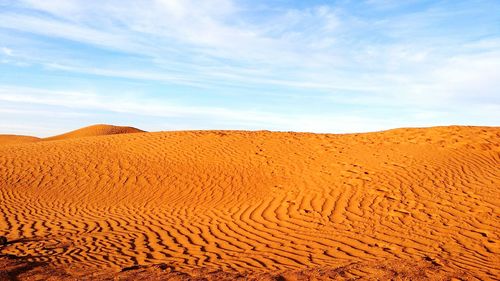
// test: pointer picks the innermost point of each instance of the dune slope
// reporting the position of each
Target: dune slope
(16, 139)
(96, 130)
(256, 202)
(90, 131)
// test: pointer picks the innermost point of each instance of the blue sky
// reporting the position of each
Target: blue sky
(317, 66)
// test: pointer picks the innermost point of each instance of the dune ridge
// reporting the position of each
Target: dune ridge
(16, 139)
(96, 130)
(251, 202)
(89, 131)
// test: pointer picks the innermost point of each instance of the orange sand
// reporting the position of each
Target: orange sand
(96, 130)
(404, 203)
(14, 139)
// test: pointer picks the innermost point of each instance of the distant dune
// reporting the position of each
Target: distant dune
(90, 131)
(96, 130)
(16, 139)
(404, 204)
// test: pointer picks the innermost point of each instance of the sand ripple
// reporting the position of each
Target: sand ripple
(256, 201)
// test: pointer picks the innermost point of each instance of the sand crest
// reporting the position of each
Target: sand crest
(16, 139)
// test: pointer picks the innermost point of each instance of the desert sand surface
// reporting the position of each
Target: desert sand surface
(96, 130)
(90, 131)
(100, 203)
(15, 139)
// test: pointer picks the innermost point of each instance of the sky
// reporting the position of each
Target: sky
(313, 66)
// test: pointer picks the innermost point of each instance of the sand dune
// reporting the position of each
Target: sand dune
(96, 130)
(16, 139)
(404, 203)
(90, 131)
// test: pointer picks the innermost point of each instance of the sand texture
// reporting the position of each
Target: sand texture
(16, 139)
(96, 130)
(405, 203)
(90, 131)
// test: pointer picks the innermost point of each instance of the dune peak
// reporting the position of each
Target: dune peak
(96, 130)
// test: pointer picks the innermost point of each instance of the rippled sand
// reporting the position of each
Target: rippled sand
(119, 202)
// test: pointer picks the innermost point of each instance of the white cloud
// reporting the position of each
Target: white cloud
(80, 102)
(123, 104)
(6, 51)
(205, 30)
(322, 51)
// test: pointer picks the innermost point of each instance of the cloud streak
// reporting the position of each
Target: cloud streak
(360, 59)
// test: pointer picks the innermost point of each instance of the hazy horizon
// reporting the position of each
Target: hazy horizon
(316, 66)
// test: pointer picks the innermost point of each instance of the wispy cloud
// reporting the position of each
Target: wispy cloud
(7, 51)
(220, 117)
(353, 59)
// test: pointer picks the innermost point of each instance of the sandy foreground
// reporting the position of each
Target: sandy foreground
(108, 202)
